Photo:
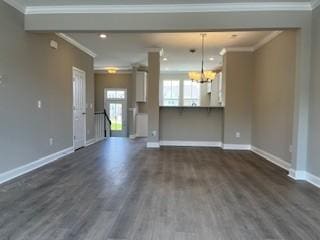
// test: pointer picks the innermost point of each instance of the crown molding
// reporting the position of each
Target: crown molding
(171, 8)
(263, 41)
(236, 49)
(267, 39)
(315, 4)
(76, 44)
(16, 5)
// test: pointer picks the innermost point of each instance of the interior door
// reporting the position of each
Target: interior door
(79, 108)
(116, 107)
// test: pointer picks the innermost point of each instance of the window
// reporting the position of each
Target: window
(171, 89)
(191, 93)
(116, 94)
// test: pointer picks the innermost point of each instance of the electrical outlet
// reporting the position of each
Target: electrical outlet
(238, 135)
(39, 104)
(50, 141)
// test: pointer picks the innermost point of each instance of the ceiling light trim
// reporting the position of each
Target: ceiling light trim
(315, 4)
(76, 44)
(16, 5)
(171, 8)
(103, 67)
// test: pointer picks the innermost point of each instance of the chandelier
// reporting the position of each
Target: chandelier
(202, 76)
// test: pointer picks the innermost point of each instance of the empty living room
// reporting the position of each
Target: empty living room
(159, 120)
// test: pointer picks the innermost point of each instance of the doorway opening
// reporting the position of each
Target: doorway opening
(115, 103)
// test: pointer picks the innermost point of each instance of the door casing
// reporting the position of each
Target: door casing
(79, 71)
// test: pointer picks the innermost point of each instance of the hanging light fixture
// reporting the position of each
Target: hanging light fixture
(203, 76)
(112, 70)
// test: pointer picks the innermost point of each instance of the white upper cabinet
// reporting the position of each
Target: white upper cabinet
(141, 87)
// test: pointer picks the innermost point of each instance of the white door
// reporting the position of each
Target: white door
(79, 108)
(116, 107)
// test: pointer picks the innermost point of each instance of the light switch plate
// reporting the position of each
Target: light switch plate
(39, 104)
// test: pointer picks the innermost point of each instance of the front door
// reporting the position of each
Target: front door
(79, 108)
(116, 107)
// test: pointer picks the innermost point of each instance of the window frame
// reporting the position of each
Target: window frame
(178, 99)
(198, 99)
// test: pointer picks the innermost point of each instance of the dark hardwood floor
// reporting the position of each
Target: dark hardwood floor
(118, 189)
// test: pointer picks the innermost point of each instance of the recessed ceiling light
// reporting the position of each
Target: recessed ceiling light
(165, 59)
(211, 59)
(103, 35)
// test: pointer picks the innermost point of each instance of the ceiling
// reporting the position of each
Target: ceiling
(122, 50)
(133, 2)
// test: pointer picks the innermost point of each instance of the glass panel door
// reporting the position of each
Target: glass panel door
(115, 113)
(116, 107)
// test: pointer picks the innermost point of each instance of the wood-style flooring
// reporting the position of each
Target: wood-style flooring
(118, 189)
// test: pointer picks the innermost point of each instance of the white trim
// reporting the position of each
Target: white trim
(297, 174)
(171, 8)
(76, 44)
(236, 49)
(11, 174)
(16, 5)
(236, 147)
(271, 158)
(90, 142)
(85, 97)
(190, 143)
(315, 4)
(100, 139)
(153, 145)
(313, 179)
(305, 176)
(132, 136)
(267, 39)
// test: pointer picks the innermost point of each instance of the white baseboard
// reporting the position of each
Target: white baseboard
(132, 136)
(99, 139)
(11, 174)
(305, 176)
(153, 145)
(236, 146)
(190, 143)
(313, 179)
(271, 158)
(90, 142)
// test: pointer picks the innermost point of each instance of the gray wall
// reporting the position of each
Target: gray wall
(191, 124)
(273, 85)
(105, 80)
(153, 95)
(33, 71)
(238, 71)
(314, 127)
